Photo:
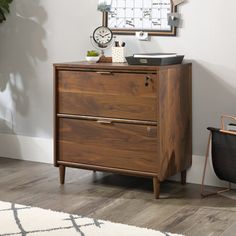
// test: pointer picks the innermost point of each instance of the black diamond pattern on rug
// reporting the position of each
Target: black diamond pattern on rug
(23, 232)
(22, 220)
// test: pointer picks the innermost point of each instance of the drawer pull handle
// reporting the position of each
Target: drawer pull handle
(104, 122)
(104, 73)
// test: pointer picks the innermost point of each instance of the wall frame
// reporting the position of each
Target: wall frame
(130, 16)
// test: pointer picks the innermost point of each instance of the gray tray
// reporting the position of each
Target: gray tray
(155, 61)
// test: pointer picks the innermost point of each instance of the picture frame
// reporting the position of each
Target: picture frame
(127, 17)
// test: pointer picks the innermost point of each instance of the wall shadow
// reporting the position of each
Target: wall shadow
(21, 48)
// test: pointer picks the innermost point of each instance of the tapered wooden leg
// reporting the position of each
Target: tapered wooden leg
(183, 177)
(156, 187)
(62, 170)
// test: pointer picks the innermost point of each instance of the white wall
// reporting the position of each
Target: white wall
(40, 32)
(36, 34)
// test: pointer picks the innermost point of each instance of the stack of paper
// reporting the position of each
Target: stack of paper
(154, 55)
(232, 127)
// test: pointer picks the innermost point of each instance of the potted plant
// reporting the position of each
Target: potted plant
(4, 9)
(92, 56)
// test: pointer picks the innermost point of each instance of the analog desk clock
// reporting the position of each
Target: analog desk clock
(102, 36)
(102, 39)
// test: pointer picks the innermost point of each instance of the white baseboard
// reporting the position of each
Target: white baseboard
(195, 173)
(26, 148)
(41, 150)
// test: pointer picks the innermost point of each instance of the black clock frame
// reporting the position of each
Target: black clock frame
(99, 44)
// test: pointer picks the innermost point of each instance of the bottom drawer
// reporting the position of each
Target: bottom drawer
(117, 145)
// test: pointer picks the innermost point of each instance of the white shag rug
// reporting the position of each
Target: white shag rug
(26, 221)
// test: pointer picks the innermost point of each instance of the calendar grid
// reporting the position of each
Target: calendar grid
(140, 15)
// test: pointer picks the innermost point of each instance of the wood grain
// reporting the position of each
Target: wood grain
(180, 209)
(62, 170)
(156, 187)
(118, 145)
(175, 120)
(122, 95)
(145, 112)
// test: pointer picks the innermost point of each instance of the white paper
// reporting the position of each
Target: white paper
(129, 13)
(138, 23)
(129, 3)
(156, 14)
(129, 23)
(138, 3)
(147, 4)
(140, 14)
(121, 3)
(147, 24)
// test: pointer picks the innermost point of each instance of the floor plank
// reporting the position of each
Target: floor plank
(117, 198)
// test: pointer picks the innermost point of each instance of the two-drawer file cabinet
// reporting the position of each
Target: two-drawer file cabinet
(133, 120)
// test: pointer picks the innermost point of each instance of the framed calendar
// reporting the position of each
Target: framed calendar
(130, 16)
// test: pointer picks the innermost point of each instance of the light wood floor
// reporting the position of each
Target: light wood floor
(121, 199)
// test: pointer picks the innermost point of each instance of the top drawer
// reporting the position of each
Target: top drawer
(107, 94)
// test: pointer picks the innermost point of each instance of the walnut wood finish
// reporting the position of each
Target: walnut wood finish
(108, 169)
(107, 94)
(105, 144)
(175, 131)
(133, 120)
(62, 170)
(183, 177)
(156, 187)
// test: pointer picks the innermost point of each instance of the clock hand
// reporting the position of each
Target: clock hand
(106, 34)
(101, 35)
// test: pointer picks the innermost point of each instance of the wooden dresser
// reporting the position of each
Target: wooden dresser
(133, 120)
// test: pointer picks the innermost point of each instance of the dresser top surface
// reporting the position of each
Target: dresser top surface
(116, 66)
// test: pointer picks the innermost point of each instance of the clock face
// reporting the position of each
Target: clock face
(102, 35)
